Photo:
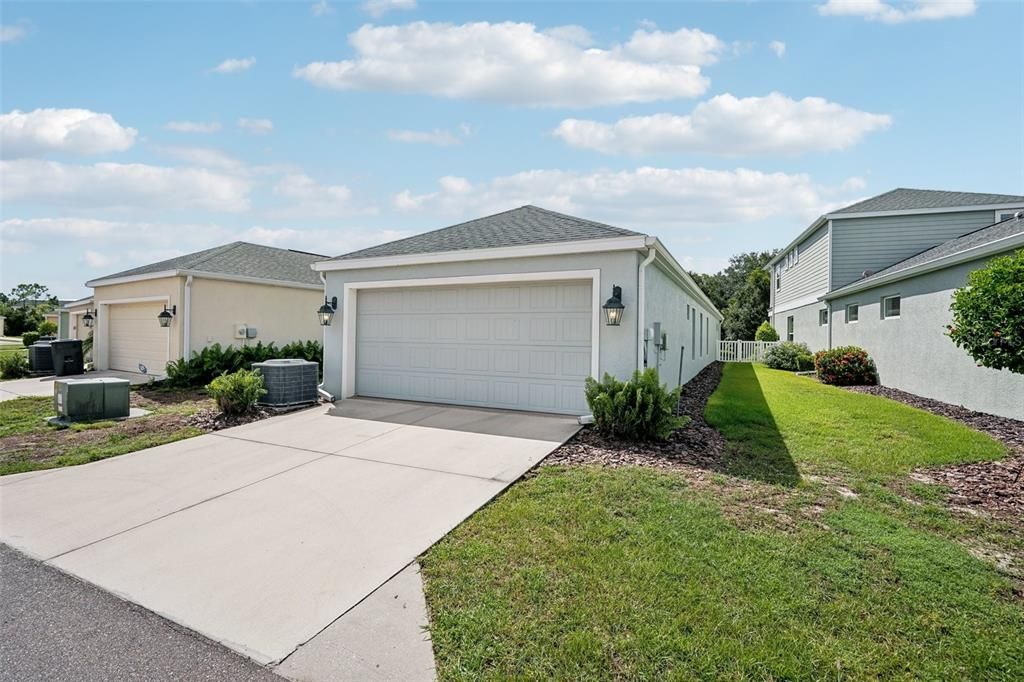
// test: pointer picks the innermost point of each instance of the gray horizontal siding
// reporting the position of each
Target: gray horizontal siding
(860, 244)
(810, 274)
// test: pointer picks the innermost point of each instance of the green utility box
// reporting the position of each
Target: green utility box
(101, 398)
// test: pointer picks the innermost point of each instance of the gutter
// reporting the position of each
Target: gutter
(641, 288)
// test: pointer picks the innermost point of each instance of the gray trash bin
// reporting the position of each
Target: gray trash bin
(67, 357)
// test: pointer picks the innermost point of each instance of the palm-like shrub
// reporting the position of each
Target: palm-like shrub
(766, 332)
(640, 409)
(845, 366)
(790, 356)
(13, 366)
(237, 393)
(214, 360)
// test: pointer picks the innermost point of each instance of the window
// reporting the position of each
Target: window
(702, 334)
(693, 337)
(852, 313)
(823, 317)
(778, 276)
(891, 306)
(789, 328)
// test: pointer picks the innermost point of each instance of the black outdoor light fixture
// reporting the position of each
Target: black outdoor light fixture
(88, 318)
(326, 311)
(165, 317)
(613, 307)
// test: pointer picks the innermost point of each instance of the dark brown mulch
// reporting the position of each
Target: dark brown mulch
(996, 487)
(697, 444)
(215, 420)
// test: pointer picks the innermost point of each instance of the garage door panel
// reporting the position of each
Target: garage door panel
(521, 347)
(135, 338)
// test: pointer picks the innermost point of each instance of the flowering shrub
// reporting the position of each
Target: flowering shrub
(791, 356)
(845, 366)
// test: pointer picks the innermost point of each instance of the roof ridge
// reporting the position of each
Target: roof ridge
(578, 219)
(215, 251)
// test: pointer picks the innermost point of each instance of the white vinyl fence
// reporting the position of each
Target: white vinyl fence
(744, 351)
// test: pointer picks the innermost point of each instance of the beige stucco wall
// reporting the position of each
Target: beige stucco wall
(279, 314)
(173, 288)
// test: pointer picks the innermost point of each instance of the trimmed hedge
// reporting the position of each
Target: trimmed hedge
(845, 366)
(28, 338)
(640, 409)
(790, 356)
(206, 365)
(237, 393)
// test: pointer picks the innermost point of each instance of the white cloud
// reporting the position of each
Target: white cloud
(899, 12)
(312, 199)
(234, 65)
(517, 64)
(256, 126)
(438, 137)
(115, 185)
(96, 259)
(203, 127)
(10, 33)
(731, 126)
(205, 157)
(778, 47)
(77, 131)
(321, 9)
(644, 197)
(378, 8)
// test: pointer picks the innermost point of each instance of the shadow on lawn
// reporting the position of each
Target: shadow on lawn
(754, 447)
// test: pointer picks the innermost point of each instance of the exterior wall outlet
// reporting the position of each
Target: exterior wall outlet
(240, 331)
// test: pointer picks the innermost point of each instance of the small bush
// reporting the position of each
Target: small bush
(237, 393)
(639, 409)
(214, 360)
(766, 332)
(28, 338)
(13, 366)
(47, 328)
(845, 366)
(790, 356)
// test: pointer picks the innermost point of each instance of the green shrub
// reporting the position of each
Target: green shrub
(988, 314)
(28, 338)
(214, 360)
(766, 332)
(238, 392)
(13, 366)
(47, 328)
(845, 366)
(639, 409)
(790, 356)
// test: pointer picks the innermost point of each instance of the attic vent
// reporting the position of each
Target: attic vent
(867, 273)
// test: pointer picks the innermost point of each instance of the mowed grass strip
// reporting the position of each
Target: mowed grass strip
(622, 574)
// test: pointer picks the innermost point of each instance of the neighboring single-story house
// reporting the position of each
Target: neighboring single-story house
(900, 314)
(71, 325)
(236, 294)
(507, 311)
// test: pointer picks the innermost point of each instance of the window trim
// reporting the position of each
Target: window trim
(847, 313)
(826, 317)
(790, 328)
(885, 315)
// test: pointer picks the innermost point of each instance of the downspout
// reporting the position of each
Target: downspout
(187, 342)
(828, 307)
(641, 281)
(320, 387)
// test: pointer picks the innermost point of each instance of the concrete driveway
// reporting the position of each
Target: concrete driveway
(43, 386)
(261, 536)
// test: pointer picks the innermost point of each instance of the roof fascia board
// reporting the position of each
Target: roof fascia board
(108, 281)
(200, 275)
(982, 250)
(672, 267)
(925, 211)
(550, 249)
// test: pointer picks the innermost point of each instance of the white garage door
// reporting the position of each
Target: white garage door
(136, 337)
(522, 346)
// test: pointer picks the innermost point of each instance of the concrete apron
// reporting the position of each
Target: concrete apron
(261, 536)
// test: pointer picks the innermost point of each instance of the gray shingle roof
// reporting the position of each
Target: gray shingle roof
(241, 259)
(518, 227)
(985, 235)
(903, 199)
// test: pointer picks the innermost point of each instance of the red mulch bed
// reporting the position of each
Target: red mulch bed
(995, 487)
(697, 444)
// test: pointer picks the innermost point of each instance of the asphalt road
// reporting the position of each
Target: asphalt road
(53, 627)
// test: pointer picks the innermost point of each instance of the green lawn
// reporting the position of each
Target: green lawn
(767, 573)
(28, 443)
(13, 348)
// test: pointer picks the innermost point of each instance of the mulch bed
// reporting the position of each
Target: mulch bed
(215, 420)
(698, 444)
(995, 487)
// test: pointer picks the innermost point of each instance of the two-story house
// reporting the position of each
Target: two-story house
(826, 281)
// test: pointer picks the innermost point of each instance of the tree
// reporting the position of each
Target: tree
(748, 307)
(766, 332)
(988, 314)
(722, 287)
(25, 306)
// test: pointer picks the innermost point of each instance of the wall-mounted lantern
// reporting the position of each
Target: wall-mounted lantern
(326, 311)
(165, 317)
(88, 318)
(613, 307)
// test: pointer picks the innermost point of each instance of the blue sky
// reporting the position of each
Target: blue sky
(132, 132)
